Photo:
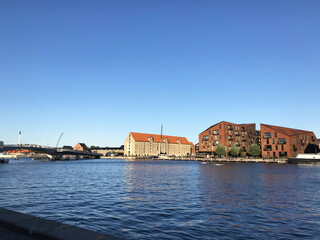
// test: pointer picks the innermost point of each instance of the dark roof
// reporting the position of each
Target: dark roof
(241, 124)
(83, 145)
(286, 131)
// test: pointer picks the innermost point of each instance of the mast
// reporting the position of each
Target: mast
(161, 137)
(19, 142)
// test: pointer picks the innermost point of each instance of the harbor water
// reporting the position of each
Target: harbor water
(152, 199)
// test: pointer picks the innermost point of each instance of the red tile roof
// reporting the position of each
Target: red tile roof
(144, 137)
(287, 131)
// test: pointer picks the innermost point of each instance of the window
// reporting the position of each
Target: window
(209, 132)
(275, 134)
(282, 148)
(276, 147)
(281, 141)
(219, 126)
(215, 143)
(211, 137)
(267, 148)
(267, 135)
(272, 140)
(267, 140)
(205, 138)
(220, 137)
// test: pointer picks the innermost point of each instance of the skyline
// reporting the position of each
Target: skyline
(99, 70)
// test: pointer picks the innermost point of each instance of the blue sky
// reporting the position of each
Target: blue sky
(97, 70)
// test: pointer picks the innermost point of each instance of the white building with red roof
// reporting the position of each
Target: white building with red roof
(145, 144)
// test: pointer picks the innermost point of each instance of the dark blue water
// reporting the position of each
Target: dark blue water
(169, 199)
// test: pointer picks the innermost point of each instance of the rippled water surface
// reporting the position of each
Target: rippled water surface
(168, 199)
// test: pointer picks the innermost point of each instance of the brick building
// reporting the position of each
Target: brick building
(144, 144)
(286, 142)
(81, 147)
(227, 134)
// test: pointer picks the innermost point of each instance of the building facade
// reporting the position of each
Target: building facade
(286, 142)
(81, 147)
(144, 144)
(227, 134)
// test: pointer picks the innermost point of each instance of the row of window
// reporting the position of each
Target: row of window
(269, 147)
(280, 141)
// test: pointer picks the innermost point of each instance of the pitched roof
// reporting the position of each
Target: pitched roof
(144, 137)
(286, 131)
(83, 145)
(241, 124)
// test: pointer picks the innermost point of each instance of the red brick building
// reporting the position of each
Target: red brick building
(286, 142)
(227, 134)
(81, 147)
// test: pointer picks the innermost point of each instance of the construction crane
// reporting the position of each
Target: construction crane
(59, 139)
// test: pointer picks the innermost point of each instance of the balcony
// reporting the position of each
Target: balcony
(216, 132)
(236, 133)
(230, 138)
(294, 148)
(230, 127)
(267, 135)
(243, 129)
(267, 148)
(243, 139)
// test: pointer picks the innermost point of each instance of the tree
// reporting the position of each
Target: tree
(221, 150)
(234, 150)
(241, 152)
(254, 150)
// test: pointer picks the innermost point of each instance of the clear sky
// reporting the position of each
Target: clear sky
(97, 70)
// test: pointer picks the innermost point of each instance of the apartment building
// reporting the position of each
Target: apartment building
(227, 134)
(145, 144)
(286, 142)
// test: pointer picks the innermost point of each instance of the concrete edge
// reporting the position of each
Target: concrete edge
(39, 228)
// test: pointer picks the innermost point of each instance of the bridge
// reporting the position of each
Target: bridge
(52, 153)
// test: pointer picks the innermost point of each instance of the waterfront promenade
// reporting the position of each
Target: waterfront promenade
(234, 160)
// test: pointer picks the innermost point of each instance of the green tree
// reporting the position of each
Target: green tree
(254, 150)
(221, 150)
(234, 150)
(241, 152)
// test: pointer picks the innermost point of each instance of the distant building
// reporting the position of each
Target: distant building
(286, 142)
(81, 147)
(227, 134)
(1, 144)
(144, 144)
(67, 147)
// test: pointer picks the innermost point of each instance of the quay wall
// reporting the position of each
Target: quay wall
(27, 226)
